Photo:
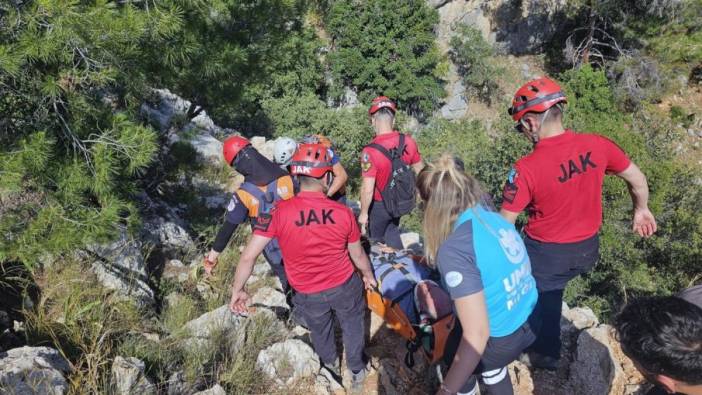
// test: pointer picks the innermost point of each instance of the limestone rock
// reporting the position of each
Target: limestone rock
(207, 325)
(168, 236)
(208, 147)
(260, 318)
(524, 27)
(521, 378)
(166, 107)
(175, 270)
(437, 3)
(176, 384)
(457, 105)
(168, 111)
(33, 370)
(325, 383)
(271, 299)
(288, 361)
(266, 148)
(122, 269)
(262, 269)
(578, 318)
(128, 377)
(216, 390)
(599, 366)
(456, 13)
(350, 98)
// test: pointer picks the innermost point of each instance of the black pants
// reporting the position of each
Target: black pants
(348, 304)
(382, 227)
(499, 352)
(553, 265)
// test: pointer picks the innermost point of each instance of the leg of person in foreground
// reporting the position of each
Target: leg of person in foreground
(472, 313)
(663, 337)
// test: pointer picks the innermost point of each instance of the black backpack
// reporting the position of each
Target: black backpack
(399, 193)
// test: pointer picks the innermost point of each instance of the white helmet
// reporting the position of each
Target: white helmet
(284, 149)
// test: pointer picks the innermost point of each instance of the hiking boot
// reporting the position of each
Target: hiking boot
(357, 381)
(539, 361)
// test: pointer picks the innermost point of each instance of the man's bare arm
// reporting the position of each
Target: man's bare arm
(510, 216)
(644, 223)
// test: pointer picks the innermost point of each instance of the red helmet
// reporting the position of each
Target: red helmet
(536, 96)
(232, 146)
(381, 102)
(311, 160)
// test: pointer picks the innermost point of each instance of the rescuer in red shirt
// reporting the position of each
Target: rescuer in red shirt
(320, 242)
(376, 170)
(559, 184)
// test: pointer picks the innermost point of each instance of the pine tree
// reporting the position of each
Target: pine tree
(71, 77)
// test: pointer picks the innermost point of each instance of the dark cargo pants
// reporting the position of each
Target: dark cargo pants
(382, 227)
(553, 265)
(348, 304)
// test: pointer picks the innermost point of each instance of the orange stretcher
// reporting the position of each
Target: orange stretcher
(431, 343)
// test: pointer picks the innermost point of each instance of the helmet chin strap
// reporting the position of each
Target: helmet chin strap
(534, 135)
(329, 178)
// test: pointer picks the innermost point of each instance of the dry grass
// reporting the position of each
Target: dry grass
(90, 326)
(82, 320)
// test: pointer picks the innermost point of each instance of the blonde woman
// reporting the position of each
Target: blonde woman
(485, 268)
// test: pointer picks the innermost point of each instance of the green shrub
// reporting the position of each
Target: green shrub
(487, 158)
(630, 265)
(680, 116)
(474, 58)
(349, 130)
(386, 47)
(230, 55)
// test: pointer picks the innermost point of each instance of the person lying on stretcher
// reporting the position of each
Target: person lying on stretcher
(410, 302)
(405, 279)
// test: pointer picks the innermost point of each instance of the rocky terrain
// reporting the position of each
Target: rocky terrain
(137, 315)
(592, 362)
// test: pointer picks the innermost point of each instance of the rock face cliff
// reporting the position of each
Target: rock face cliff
(512, 27)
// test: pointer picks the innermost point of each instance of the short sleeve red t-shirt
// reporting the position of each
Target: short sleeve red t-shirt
(375, 165)
(560, 185)
(314, 232)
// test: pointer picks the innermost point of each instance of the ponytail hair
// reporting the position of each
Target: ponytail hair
(447, 191)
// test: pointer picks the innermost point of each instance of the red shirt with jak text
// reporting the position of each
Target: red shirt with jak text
(314, 232)
(560, 185)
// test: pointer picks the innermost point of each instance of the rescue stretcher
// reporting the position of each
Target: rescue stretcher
(430, 337)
